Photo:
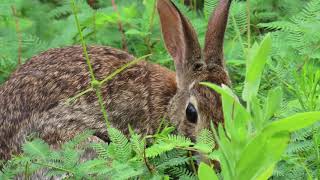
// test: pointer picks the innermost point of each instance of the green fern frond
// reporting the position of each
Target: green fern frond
(101, 149)
(121, 145)
(137, 145)
(62, 10)
(77, 140)
(125, 171)
(70, 158)
(299, 147)
(280, 25)
(205, 141)
(182, 173)
(36, 148)
(167, 144)
(91, 167)
(310, 11)
(157, 149)
(174, 162)
(209, 6)
(179, 141)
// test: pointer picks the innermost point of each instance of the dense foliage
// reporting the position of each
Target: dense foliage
(288, 50)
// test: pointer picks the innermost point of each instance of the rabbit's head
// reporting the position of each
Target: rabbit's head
(195, 106)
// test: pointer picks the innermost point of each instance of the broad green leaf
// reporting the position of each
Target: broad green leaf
(205, 172)
(267, 173)
(227, 153)
(293, 123)
(262, 152)
(235, 115)
(273, 102)
(257, 113)
(255, 67)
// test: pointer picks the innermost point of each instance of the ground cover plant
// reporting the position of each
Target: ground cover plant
(271, 46)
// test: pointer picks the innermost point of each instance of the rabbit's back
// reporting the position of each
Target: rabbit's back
(34, 98)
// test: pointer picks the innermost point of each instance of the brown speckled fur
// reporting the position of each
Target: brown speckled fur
(33, 100)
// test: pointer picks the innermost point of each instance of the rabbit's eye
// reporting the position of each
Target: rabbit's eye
(191, 113)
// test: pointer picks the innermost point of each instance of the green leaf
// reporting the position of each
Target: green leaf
(235, 115)
(257, 114)
(293, 123)
(262, 152)
(273, 102)
(255, 67)
(267, 173)
(205, 172)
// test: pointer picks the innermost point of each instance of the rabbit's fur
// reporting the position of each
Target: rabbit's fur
(33, 100)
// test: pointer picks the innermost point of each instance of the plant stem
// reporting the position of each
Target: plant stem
(26, 172)
(192, 163)
(70, 100)
(120, 26)
(112, 75)
(151, 22)
(54, 167)
(94, 83)
(14, 13)
(82, 41)
(123, 68)
(102, 106)
(248, 24)
(94, 24)
(145, 159)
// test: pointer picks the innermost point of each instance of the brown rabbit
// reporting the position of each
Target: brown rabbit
(33, 100)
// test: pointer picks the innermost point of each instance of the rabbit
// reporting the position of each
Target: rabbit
(33, 100)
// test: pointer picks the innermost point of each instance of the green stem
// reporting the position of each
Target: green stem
(100, 83)
(192, 163)
(82, 40)
(26, 171)
(123, 68)
(94, 83)
(151, 22)
(248, 24)
(54, 167)
(102, 106)
(72, 99)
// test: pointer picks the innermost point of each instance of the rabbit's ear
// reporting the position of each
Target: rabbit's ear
(180, 39)
(213, 49)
